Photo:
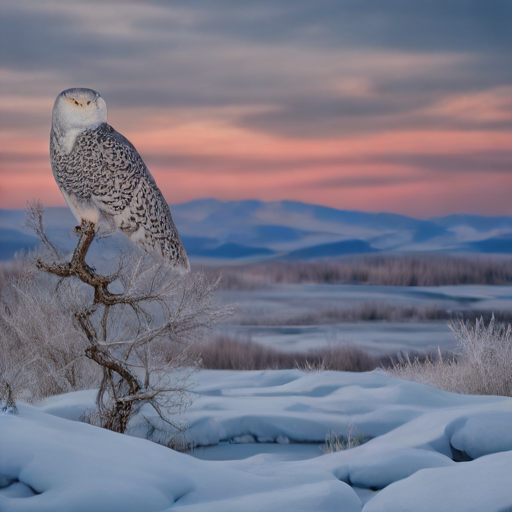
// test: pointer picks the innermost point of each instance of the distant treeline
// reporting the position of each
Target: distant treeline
(399, 270)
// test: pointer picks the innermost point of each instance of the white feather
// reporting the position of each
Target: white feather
(82, 211)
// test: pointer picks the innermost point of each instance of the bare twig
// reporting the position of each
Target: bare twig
(34, 220)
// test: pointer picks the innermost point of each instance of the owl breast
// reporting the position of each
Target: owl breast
(96, 180)
(105, 181)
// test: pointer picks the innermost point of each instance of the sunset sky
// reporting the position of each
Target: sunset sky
(376, 105)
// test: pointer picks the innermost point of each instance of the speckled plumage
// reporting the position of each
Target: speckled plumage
(104, 176)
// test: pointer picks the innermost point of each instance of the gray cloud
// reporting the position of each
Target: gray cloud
(310, 120)
(285, 54)
(366, 181)
(476, 162)
(436, 25)
(483, 162)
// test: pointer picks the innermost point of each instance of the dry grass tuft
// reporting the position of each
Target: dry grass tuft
(483, 363)
(335, 443)
(228, 353)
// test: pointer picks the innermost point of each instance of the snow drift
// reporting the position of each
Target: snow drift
(433, 450)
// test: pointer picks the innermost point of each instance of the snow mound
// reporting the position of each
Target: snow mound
(481, 485)
(376, 471)
(303, 407)
(63, 465)
(484, 434)
(324, 496)
(48, 462)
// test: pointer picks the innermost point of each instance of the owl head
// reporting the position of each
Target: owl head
(78, 110)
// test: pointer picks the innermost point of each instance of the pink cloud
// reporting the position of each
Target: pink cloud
(274, 174)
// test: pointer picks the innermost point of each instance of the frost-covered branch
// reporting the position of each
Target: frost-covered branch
(131, 332)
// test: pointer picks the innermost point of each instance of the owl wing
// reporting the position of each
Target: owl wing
(126, 192)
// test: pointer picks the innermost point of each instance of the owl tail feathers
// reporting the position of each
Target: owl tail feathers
(172, 253)
(182, 266)
(177, 256)
(178, 264)
(177, 260)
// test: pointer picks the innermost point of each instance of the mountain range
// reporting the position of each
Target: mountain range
(251, 230)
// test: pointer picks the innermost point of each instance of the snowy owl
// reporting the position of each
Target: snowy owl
(104, 180)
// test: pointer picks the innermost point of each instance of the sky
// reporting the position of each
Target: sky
(398, 105)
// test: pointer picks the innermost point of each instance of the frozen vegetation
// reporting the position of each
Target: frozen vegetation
(432, 450)
(382, 320)
(483, 365)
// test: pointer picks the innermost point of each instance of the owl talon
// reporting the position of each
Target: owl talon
(77, 230)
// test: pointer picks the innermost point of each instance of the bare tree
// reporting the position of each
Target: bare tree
(141, 337)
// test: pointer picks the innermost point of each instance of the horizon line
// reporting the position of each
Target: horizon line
(300, 202)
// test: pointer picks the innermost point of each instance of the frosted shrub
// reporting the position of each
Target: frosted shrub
(482, 364)
(40, 345)
(486, 353)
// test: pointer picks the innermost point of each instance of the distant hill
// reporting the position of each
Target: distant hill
(331, 250)
(251, 230)
(478, 222)
(11, 241)
(427, 230)
(493, 245)
(235, 251)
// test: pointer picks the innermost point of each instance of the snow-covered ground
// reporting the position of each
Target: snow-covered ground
(432, 451)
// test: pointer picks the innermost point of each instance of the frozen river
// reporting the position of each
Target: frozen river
(380, 337)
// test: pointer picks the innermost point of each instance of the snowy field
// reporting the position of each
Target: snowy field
(261, 431)
(288, 301)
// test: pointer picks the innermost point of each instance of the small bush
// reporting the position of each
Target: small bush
(481, 365)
